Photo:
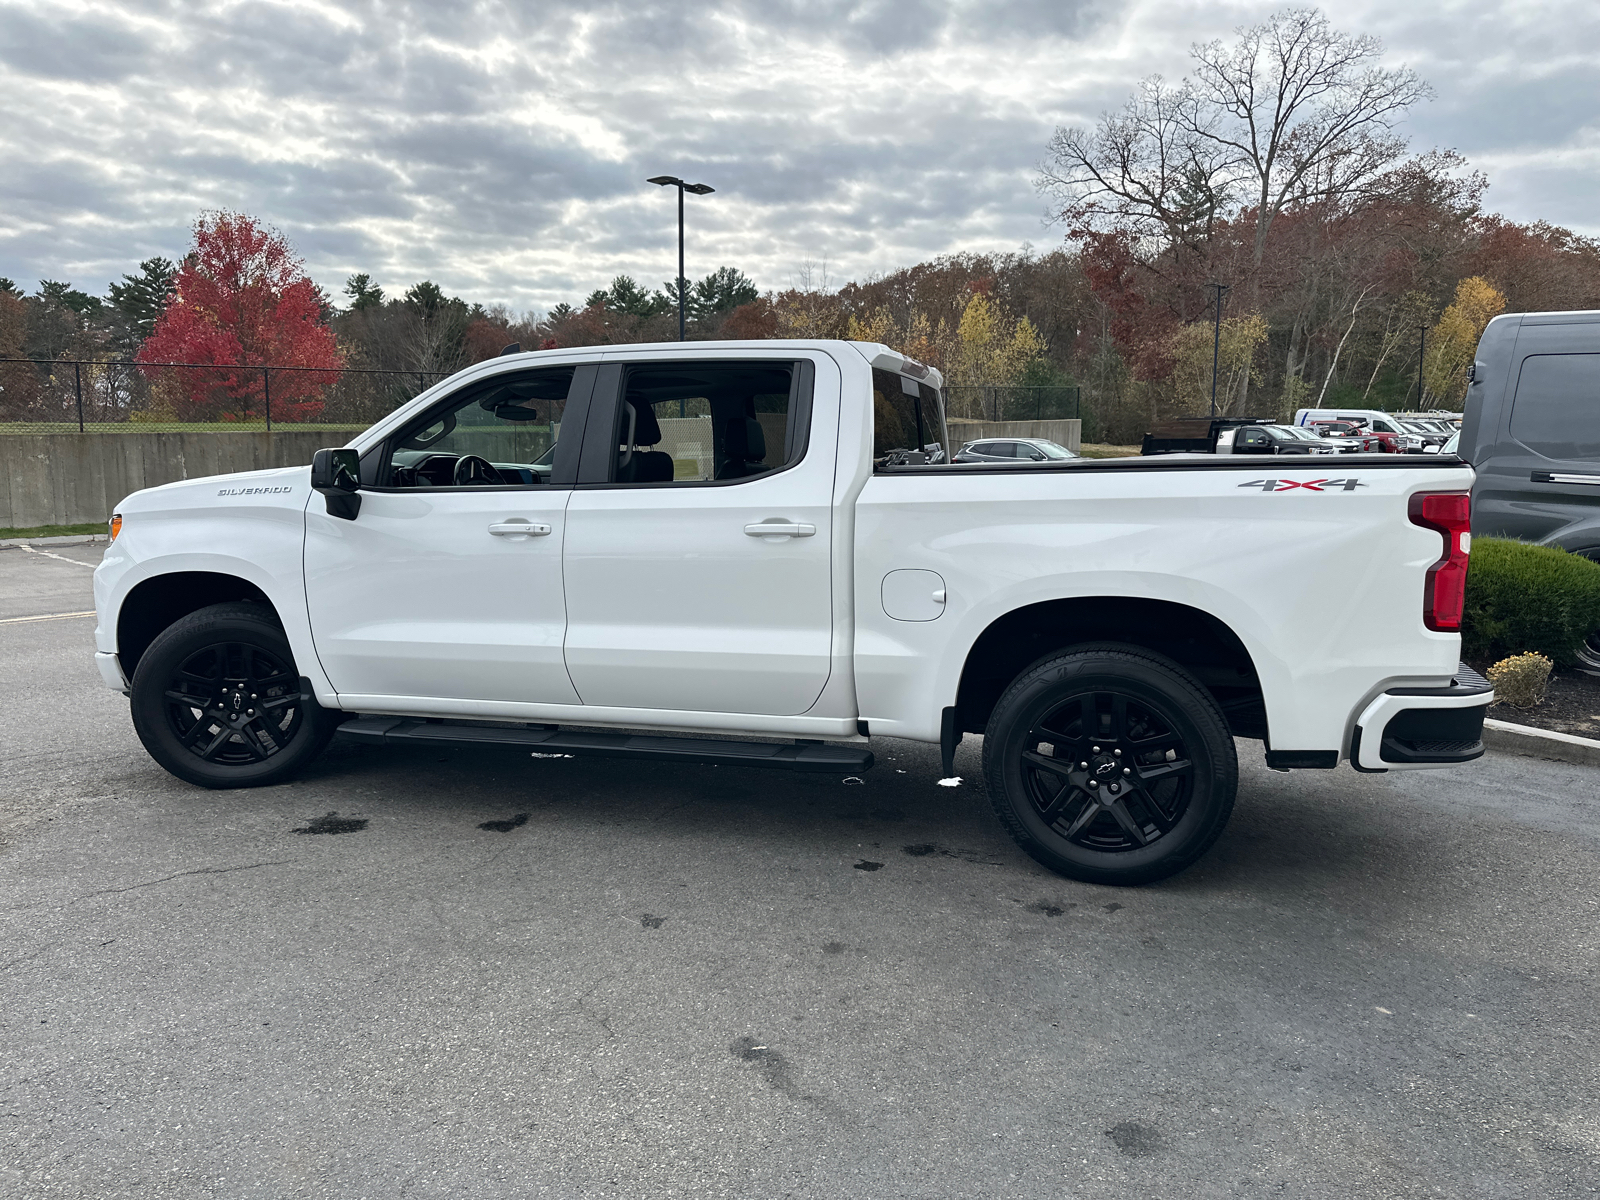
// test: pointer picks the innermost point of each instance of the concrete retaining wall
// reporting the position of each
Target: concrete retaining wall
(75, 478)
(1068, 433)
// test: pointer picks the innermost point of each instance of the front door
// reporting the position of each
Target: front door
(447, 584)
(699, 539)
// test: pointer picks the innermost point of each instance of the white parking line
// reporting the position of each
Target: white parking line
(58, 558)
(45, 617)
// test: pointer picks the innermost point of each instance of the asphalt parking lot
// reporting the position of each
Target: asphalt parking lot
(658, 980)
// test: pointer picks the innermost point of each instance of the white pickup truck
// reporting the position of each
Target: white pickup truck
(621, 550)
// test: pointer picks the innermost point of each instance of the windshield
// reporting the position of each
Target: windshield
(1453, 446)
(1305, 435)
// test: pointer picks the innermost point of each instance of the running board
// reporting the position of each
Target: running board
(787, 756)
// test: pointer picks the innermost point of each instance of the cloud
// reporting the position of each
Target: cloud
(501, 149)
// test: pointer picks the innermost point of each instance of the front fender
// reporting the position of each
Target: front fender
(263, 545)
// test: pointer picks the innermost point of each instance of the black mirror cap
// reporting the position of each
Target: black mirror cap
(514, 348)
(336, 472)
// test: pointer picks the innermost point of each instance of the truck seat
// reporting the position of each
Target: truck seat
(744, 447)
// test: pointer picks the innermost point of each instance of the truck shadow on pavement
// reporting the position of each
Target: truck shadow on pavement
(1332, 834)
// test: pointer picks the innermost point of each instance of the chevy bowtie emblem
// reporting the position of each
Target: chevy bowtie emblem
(1105, 768)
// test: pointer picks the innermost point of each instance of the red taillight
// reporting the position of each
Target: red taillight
(1444, 595)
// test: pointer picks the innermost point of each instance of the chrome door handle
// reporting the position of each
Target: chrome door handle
(1564, 477)
(777, 529)
(517, 527)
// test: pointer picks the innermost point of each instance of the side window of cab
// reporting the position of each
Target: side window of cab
(503, 431)
(700, 422)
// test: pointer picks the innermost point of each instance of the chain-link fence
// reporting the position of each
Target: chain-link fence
(80, 396)
(1003, 402)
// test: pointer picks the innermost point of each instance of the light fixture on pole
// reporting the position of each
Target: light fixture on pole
(699, 189)
(1216, 344)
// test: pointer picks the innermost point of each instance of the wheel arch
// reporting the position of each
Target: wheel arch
(154, 604)
(1202, 643)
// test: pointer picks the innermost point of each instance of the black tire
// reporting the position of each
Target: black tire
(1156, 742)
(216, 700)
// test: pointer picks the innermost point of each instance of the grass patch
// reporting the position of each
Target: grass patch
(39, 531)
(1101, 450)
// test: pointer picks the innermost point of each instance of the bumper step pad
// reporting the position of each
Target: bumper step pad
(787, 756)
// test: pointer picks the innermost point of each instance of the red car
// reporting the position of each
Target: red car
(1371, 439)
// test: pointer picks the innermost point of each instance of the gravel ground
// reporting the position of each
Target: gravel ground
(571, 977)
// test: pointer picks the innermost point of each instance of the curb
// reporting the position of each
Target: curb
(79, 539)
(1541, 743)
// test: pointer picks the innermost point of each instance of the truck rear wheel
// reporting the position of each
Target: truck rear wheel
(1110, 764)
(216, 700)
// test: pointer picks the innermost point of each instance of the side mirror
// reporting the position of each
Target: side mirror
(337, 475)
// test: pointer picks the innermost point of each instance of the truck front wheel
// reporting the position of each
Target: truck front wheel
(217, 700)
(1110, 764)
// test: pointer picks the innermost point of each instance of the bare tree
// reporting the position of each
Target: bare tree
(1293, 113)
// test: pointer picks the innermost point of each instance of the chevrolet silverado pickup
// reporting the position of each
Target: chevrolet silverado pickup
(759, 553)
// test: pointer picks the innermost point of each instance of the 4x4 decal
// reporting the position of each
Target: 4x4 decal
(1310, 485)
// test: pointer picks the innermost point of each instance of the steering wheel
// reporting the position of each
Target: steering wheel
(470, 469)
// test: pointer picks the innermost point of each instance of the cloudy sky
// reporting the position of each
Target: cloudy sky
(501, 148)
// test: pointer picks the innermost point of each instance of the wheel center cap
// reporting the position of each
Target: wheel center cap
(1102, 767)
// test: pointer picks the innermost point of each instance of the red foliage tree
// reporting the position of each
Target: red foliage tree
(242, 300)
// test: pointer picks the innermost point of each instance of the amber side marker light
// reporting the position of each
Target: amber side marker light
(116, 525)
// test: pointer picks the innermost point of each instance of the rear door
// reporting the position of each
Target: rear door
(698, 557)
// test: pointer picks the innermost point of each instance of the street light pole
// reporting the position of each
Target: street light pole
(699, 189)
(1422, 355)
(1216, 344)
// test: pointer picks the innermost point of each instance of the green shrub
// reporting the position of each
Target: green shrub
(1522, 598)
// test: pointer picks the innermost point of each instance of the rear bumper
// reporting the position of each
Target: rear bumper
(1413, 728)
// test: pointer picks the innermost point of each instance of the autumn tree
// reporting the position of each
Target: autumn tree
(1453, 341)
(1236, 344)
(241, 299)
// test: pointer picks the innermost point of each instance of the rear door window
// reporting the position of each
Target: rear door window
(712, 421)
(1556, 410)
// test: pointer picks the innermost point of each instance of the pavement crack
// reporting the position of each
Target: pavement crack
(184, 874)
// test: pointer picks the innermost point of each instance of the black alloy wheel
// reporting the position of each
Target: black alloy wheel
(234, 703)
(217, 700)
(1110, 764)
(1106, 772)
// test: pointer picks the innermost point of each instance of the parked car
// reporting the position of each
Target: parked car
(1110, 626)
(1333, 445)
(1431, 435)
(1532, 434)
(1365, 439)
(1013, 450)
(1271, 439)
(1385, 425)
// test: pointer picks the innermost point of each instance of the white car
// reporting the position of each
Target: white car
(714, 552)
